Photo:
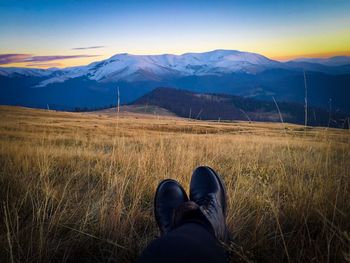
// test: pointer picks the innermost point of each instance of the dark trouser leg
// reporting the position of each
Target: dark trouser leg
(190, 242)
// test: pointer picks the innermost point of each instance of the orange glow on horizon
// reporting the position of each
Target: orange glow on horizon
(312, 55)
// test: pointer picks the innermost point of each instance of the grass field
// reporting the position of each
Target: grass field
(80, 186)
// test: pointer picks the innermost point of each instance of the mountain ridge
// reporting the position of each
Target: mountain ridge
(220, 71)
(191, 63)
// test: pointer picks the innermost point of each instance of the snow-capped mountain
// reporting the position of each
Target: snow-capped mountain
(130, 67)
(214, 62)
(219, 71)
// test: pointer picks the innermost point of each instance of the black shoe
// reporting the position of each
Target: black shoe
(169, 195)
(208, 191)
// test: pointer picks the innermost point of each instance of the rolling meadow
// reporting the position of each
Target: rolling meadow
(80, 186)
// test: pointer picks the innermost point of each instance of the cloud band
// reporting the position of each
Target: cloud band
(18, 58)
(83, 48)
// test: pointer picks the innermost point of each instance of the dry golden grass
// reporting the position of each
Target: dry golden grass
(80, 186)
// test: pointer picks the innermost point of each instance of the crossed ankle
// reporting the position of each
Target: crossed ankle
(190, 212)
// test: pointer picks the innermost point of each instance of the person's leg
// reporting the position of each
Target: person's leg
(198, 227)
(190, 243)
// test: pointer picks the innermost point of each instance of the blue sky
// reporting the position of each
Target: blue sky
(66, 28)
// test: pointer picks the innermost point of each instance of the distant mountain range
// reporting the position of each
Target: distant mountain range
(205, 106)
(220, 71)
(333, 61)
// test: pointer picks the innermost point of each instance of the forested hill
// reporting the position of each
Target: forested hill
(206, 106)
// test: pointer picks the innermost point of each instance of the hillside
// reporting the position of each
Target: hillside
(227, 107)
(79, 187)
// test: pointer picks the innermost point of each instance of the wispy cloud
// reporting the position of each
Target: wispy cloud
(83, 48)
(49, 65)
(13, 58)
(18, 58)
(51, 58)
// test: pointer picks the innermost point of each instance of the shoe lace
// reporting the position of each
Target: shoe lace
(206, 201)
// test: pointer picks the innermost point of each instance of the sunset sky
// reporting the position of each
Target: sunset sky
(61, 33)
